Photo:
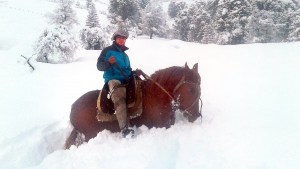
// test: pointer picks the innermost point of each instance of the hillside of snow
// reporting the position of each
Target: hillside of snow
(250, 93)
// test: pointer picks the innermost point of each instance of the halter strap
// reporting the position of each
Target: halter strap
(180, 83)
(157, 84)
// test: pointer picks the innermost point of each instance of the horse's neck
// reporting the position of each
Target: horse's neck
(169, 83)
(160, 88)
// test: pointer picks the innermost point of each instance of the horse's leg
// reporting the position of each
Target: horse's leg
(71, 139)
(76, 138)
(83, 118)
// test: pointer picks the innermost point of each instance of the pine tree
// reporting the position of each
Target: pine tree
(88, 3)
(93, 36)
(124, 9)
(78, 5)
(92, 18)
(200, 21)
(154, 21)
(207, 29)
(181, 24)
(143, 3)
(270, 21)
(294, 33)
(208, 34)
(231, 19)
(175, 7)
(64, 14)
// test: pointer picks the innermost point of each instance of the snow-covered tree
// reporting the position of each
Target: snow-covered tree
(92, 18)
(181, 24)
(194, 23)
(56, 45)
(64, 14)
(270, 21)
(143, 3)
(236, 21)
(93, 36)
(231, 19)
(154, 22)
(294, 33)
(175, 7)
(79, 5)
(88, 3)
(261, 28)
(208, 34)
(200, 22)
(124, 10)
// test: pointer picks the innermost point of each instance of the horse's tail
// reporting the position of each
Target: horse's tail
(71, 140)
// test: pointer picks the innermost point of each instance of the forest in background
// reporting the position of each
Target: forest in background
(223, 22)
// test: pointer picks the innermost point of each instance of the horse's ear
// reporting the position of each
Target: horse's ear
(186, 65)
(195, 67)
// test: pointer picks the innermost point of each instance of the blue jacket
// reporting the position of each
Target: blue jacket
(111, 71)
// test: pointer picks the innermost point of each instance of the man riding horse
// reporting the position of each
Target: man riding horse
(116, 66)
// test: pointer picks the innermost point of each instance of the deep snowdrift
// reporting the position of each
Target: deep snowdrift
(250, 94)
(250, 114)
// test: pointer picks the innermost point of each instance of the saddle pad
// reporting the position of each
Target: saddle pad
(134, 110)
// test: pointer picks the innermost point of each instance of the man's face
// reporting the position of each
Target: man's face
(120, 40)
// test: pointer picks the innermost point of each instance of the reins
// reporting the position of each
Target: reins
(180, 83)
(157, 84)
(122, 73)
(145, 76)
(120, 85)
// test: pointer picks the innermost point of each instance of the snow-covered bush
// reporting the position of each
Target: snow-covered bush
(94, 38)
(56, 45)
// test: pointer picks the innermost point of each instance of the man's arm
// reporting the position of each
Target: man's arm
(102, 65)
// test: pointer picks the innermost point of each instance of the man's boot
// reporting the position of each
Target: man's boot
(127, 132)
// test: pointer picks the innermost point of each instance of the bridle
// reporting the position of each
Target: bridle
(172, 95)
(177, 101)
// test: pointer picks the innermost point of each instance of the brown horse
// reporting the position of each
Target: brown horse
(167, 90)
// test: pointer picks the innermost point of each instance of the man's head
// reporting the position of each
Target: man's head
(120, 37)
(122, 33)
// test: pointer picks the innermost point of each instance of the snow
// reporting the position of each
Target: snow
(250, 99)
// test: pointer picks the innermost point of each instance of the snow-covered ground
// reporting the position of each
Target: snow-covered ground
(251, 111)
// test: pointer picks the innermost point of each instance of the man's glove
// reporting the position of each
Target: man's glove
(112, 60)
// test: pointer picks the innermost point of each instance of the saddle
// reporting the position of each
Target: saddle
(134, 100)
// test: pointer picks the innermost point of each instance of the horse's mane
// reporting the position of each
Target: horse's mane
(168, 74)
(168, 77)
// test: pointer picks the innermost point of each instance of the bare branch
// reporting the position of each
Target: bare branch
(28, 62)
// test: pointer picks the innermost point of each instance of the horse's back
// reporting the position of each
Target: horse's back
(85, 102)
(83, 111)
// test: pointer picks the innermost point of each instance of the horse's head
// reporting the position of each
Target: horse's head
(187, 93)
